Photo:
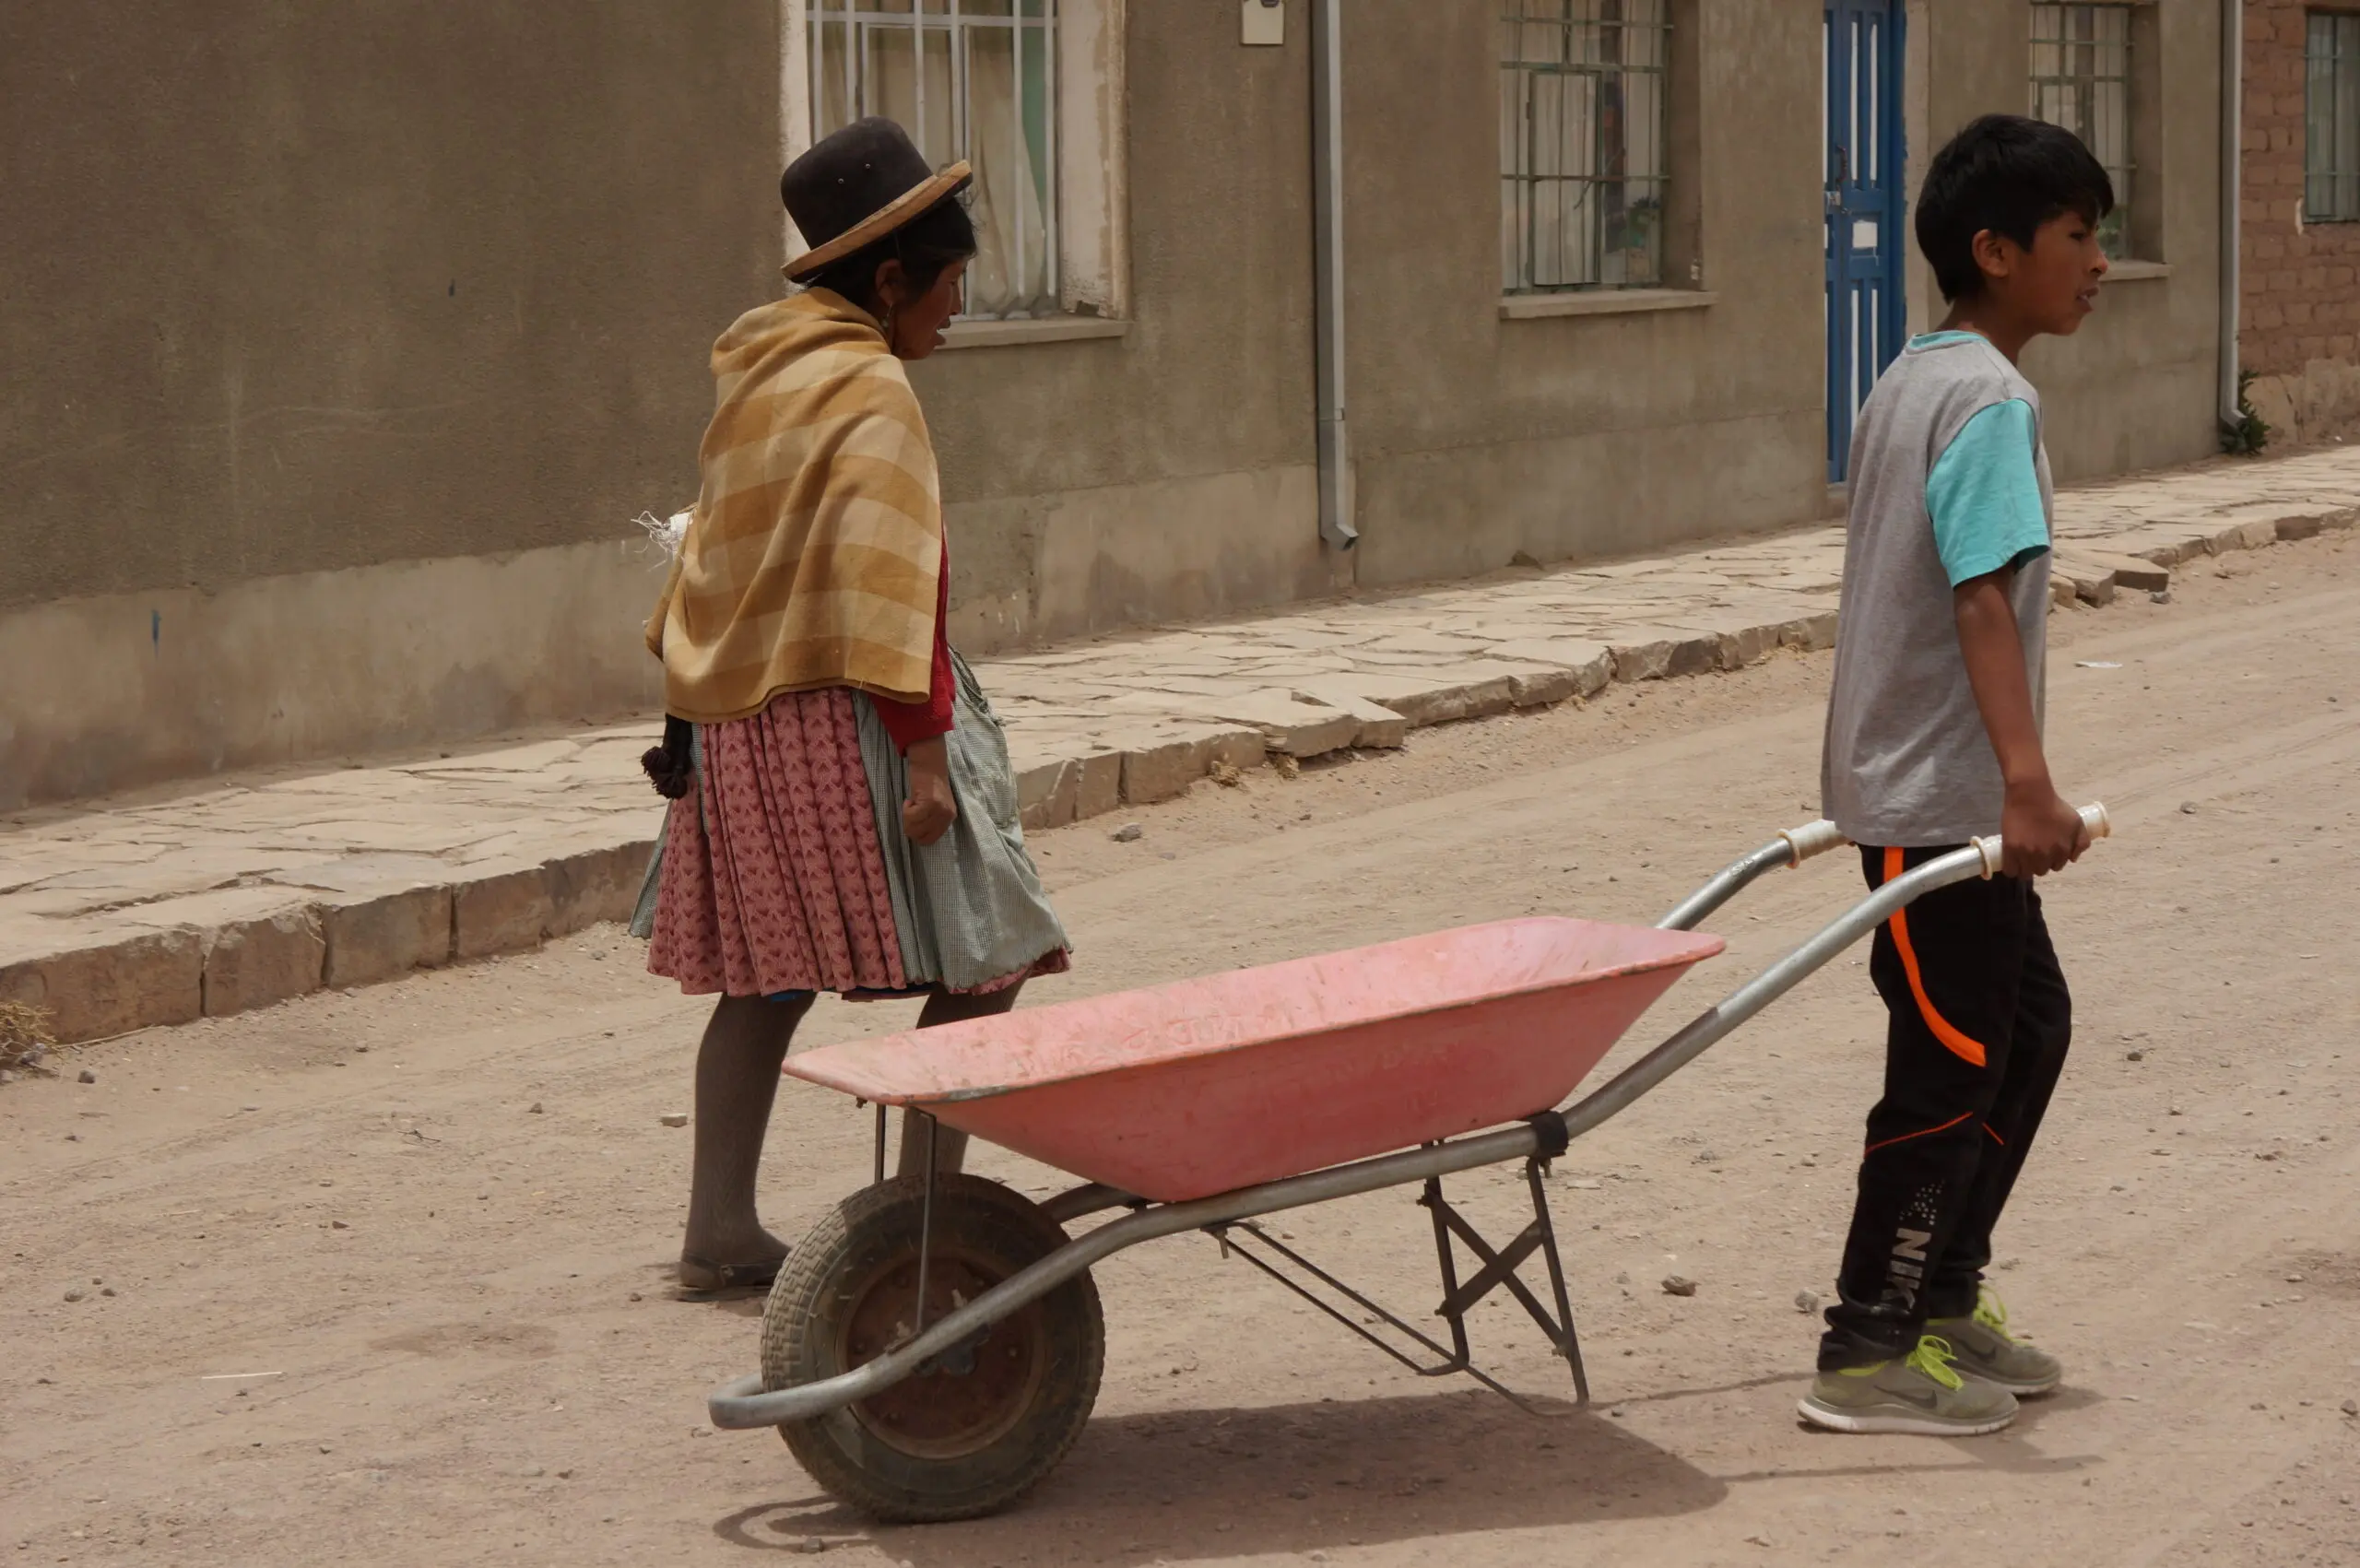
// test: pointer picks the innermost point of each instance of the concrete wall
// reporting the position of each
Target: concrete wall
(1167, 473)
(353, 337)
(297, 289)
(1479, 437)
(2299, 331)
(1170, 473)
(2139, 385)
(2136, 387)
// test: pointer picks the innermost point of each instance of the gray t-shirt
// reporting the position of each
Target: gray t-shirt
(1949, 482)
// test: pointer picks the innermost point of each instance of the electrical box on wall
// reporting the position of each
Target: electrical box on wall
(1264, 23)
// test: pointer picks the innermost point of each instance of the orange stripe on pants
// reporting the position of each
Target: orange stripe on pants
(1922, 1132)
(1960, 1044)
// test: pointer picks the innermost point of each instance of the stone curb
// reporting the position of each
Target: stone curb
(101, 982)
(252, 947)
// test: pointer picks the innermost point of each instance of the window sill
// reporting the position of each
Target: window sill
(1038, 329)
(2137, 271)
(1603, 303)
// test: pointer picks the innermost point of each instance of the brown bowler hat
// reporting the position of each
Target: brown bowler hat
(857, 185)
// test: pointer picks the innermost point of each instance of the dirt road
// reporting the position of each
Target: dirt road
(380, 1278)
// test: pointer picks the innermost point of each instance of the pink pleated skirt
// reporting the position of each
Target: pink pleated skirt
(772, 878)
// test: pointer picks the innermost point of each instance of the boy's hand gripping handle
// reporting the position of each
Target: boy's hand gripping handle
(2094, 817)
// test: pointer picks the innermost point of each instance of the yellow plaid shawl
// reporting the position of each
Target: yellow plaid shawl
(814, 553)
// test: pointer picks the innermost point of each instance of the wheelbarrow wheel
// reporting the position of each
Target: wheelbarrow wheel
(982, 1423)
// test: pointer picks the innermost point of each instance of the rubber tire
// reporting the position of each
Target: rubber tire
(801, 1327)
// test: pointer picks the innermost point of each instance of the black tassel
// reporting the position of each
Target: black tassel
(668, 766)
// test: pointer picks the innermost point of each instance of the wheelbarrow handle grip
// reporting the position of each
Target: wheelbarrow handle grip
(1813, 839)
(2094, 817)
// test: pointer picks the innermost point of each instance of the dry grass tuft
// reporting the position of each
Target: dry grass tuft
(25, 1036)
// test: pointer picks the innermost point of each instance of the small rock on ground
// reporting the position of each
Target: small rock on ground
(1807, 1301)
(675, 1118)
(86, 1076)
(1679, 1285)
(1129, 832)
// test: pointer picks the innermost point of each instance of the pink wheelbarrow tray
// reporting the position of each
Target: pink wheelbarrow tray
(932, 1349)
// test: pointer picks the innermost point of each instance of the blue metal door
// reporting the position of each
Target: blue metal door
(1863, 178)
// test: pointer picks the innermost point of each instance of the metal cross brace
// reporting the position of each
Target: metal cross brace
(1498, 1269)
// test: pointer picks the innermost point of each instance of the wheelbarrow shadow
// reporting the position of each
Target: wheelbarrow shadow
(1187, 1484)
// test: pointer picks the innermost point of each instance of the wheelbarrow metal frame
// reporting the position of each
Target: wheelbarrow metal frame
(743, 1404)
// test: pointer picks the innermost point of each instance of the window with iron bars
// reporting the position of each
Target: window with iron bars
(972, 79)
(1582, 143)
(2081, 79)
(2331, 118)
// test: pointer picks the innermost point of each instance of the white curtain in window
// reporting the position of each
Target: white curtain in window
(1011, 273)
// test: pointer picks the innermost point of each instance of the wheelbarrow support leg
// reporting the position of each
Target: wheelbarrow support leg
(1498, 1271)
(922, 1123)
(1446, 1264)
(1571, 1343)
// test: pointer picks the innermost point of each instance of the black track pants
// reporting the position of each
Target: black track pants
(1978, 1024)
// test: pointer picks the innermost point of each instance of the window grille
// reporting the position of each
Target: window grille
(974, 79)
(2081, 79)
(1582, 143)
(2332, 119)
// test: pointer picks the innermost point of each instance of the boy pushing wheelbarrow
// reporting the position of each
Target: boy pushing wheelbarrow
(1933, 739)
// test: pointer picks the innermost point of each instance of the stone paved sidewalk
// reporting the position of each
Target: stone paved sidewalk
(226, 896)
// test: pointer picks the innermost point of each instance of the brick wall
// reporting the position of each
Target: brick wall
(2299, 329)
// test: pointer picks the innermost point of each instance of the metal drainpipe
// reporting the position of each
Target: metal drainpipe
(2232, 74)
(1334, 450)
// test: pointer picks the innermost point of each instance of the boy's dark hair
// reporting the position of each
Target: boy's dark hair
(2010, 175)
(926, 246)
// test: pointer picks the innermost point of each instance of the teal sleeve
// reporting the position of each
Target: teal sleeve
(1983, 494)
